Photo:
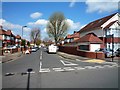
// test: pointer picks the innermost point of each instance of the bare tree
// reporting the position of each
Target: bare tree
(57, 26)
(35, 35)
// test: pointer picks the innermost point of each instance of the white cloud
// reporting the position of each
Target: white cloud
(36, 15)
(2, 21)
(38, 22)
(16, 28)
(8, 25)
(27, 29)
(101, 5)
(72, 3)
(41, 22)
(73, 25)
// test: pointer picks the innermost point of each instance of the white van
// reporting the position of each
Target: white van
(52, 49)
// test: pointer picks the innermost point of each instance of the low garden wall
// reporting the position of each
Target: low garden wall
(75, 51)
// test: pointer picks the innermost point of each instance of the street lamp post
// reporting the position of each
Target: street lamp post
(22, 34)
(22, 29)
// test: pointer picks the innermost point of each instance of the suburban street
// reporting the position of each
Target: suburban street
(54, 71)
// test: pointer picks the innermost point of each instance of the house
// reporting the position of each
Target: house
(3, 36)
(103, 28)
(70, 38)
(7, 37)
(89, 42)
(18, 40)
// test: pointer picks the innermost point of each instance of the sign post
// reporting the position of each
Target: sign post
(111, 36)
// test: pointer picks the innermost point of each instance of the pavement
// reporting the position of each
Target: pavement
(85, 59)
(72, 57)
(8, 57)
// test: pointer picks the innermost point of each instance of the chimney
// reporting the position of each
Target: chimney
(1, 27)
(75, 31)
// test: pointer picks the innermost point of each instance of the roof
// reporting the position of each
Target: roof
(8, 32)
(90, 37)
(75, 35)
(110, 24)
(18, 36)
(2, 31)
(96, 24)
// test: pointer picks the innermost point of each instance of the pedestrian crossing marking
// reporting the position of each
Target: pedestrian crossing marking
(67, 63)
(44, 70)
(68, 68)
(79, 68)
(58, 69)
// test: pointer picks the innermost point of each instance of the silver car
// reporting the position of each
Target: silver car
(107, 52)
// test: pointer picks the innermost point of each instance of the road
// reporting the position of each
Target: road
(53, 71)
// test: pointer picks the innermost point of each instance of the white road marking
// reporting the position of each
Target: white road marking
(58, 69)
(115, 65)
(40, 65)
(90, 67)
(44, 70)
(41, 55)
(79, 68)
(110, 63)
(69, 63)
(99, 66)
(68, 68)
(109, 66)
(31, 72)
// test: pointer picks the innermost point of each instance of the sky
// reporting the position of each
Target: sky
(36, 14)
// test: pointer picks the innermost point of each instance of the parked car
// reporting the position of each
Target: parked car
(107, 52)
(34, 49)
(10, 47)
(117, 52)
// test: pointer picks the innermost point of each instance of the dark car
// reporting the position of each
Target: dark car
(117, 52)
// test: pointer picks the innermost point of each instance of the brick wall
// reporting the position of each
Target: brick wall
(75, 51)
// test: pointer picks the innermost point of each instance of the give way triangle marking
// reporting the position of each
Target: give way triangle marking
(67, 63)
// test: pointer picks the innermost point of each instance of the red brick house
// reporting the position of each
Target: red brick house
(102, 28)
(89, 42)
(71, 38)
(10, 38)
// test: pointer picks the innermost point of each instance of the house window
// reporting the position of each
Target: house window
(8, 38)
(84, 47)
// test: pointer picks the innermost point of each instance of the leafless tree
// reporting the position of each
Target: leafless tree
(35, 35)
(57, 26)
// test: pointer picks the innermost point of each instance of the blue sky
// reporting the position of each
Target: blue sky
(36, 14)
